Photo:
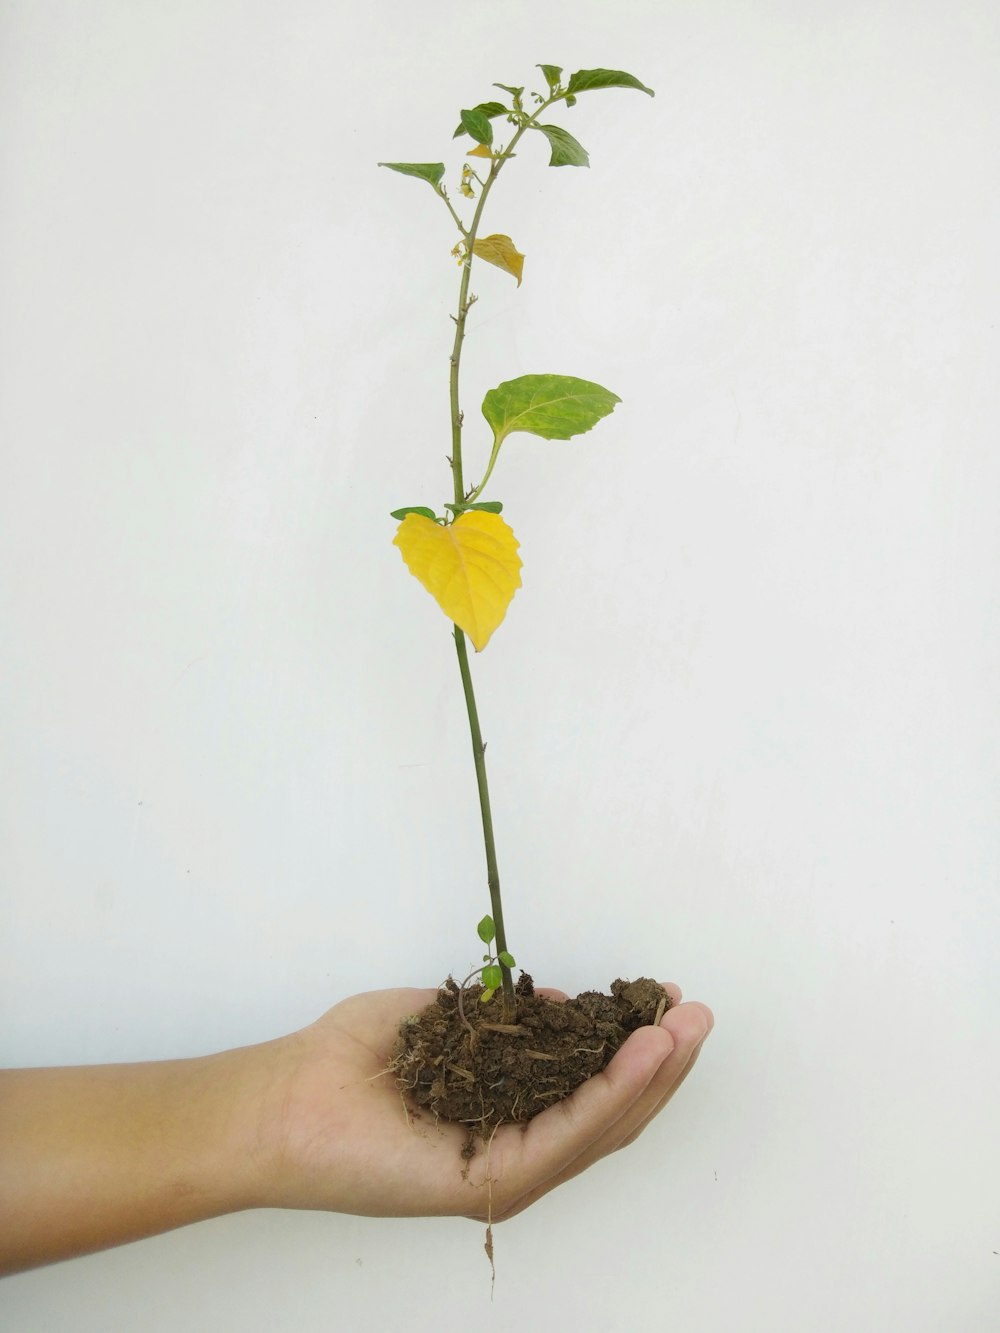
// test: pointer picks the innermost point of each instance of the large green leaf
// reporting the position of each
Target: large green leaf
(477, 123)
(432, 172)
(566, 151)
(490, 110)
(586, 80)
(556, 407)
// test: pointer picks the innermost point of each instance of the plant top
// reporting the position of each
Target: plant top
(467, 558)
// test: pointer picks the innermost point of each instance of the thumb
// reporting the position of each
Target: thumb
(562, 1132)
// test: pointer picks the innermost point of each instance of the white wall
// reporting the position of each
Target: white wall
(742, 718)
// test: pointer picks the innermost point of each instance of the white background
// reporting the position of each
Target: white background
(742, 717)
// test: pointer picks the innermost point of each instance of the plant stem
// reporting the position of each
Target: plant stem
(492, 873)
(464, 302)
(478, 747)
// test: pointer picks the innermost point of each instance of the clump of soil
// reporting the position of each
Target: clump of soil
(459, 1060)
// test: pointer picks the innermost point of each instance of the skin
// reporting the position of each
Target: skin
(95, 1156)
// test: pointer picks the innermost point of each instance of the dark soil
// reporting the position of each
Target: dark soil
(463, 1063)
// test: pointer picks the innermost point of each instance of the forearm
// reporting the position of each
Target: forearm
(98, 1155)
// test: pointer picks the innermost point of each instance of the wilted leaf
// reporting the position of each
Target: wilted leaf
(556, 407)
(500, 250)
(489, 109)
(413, 509)
(586, 80)
(480, 150)
(566, 151)
(553, 73)
(471, 568)
(487, 995)
(432, 172)
(477, 123)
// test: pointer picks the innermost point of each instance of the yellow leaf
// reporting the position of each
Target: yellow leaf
(471, 568)
(480, 150)
(500, 250)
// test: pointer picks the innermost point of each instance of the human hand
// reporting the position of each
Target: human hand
(333, 1133)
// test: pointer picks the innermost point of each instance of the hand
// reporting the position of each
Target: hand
(99, 1155)
(335, 1135)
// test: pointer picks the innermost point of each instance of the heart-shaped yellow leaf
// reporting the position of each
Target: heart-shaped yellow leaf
(471, 568)
(500, 250)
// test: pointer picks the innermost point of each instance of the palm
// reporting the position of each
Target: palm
(356, 1147)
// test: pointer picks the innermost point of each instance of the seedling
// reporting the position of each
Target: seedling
(467, 557)
(493, 964)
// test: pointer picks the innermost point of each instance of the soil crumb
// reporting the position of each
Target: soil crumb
(461, 1061)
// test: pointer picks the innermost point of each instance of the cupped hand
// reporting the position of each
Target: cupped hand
(333, 1132)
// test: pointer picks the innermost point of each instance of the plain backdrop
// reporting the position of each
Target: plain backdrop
(742, 717)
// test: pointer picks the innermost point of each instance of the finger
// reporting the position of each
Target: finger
(689, 1026)
(557, 1137)
(662, 1089)
(548, 993)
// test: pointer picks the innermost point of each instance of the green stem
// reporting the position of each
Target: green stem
(464, 303)
(492, 873)
(478, 747)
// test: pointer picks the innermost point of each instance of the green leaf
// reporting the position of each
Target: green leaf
(514, 92)
(553, 73)
(432, 172)
(566, 151)
(414, 509)
(487, 995)
(489, 506)
(476, 123)
(492, 978)
(556, 407)
(490, 110)
(587, 80)
(506, 958)
(486, 930)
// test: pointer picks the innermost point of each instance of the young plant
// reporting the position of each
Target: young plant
(493, 963)
(467, 557)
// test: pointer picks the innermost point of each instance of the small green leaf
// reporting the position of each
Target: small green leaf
(566, 151)
(432, 172)
(553, 73)
(414, 509)
(516, 93)
(506, 958)
(490, 110)
(488, 506)
(477, 124)
(556, 407)
(486, 930)
(487, 995)
(492, 978)
(586, 80)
